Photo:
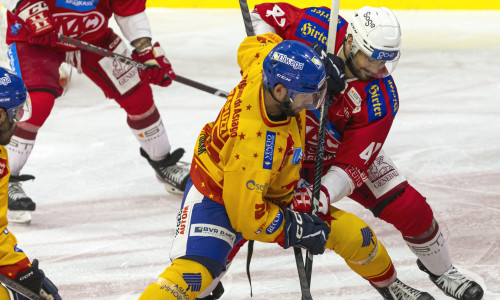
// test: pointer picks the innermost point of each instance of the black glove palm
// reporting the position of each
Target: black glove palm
(335, 70)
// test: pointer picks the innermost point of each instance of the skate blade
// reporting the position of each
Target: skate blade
(172, 190)
(19, 216)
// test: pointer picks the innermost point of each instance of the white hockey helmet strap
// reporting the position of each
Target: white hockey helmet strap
(376, 32)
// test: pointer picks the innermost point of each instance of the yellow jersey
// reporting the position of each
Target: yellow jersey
(246, 161)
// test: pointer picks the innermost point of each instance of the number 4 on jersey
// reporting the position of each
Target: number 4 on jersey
(368, 152)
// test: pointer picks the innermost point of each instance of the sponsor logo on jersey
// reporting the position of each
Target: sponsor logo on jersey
(269, 150)
(393, 94)
(376, 101)
(76, 24)
(312, 32)
(182, 217)
(384, 55)
(288, 61)
(321, 13)
(297, 156)
(15, 28)
(77, 5)
(4, 171)
(275, 224)
(193, 280)
(253, 186)
(210, 230)
(355, 97)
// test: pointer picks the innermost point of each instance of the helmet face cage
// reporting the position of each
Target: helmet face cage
(14, 97)
(299, 68)
(376, 32)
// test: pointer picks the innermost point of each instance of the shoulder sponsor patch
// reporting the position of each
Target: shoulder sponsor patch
(354, 96)
(275, 224)
(393, 94)
(214, 231)
(375, 102)
(312, 32)
(297, 156)
(269, 150)
(77, 5)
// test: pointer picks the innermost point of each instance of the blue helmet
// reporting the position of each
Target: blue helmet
(295, 65)
(14, 97)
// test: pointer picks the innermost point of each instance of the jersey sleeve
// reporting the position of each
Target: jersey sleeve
(280, 16)
(125, 8)
(255, 47)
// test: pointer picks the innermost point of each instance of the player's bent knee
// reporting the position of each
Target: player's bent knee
(409, 213)
(350, 236)
(184, 279)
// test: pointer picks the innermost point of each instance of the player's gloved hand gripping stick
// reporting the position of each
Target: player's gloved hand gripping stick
(129, 61)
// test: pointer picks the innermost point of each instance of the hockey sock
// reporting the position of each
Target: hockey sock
(149, 130)
(430, 248)
(19, 150)
(184, 279)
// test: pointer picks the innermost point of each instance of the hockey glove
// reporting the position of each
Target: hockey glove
(160, 71)
(35, 280)
(302, 199)
(305, 231)
(39, 22)
(334, 68)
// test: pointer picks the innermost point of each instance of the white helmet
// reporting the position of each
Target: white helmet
(376, 32)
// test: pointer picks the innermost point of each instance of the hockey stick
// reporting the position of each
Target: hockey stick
(19, 288)
(320, 149)
(299, 259)
(129, 61)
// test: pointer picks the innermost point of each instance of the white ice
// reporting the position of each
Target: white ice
(103, 225)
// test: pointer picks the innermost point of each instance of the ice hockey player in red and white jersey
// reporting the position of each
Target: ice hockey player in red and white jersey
(36, 54)
(359, 120)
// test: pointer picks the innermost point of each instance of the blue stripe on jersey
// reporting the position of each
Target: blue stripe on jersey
(269, 150)
(393, 94)
(376, 101)
(77, 5)
(14, 59)
(275, 224)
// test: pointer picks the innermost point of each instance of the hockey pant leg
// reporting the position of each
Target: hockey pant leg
(197, 255)
(183, 280)
(353, 240)
(123, 84)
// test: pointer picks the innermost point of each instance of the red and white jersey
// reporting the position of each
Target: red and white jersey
(84, 20)
(360, 119)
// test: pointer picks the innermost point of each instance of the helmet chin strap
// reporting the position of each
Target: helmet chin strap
(285, 106)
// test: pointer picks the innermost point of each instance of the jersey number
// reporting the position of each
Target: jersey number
(368, 152)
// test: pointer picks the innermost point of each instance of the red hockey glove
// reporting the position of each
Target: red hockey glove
(160, 72)
(39, 22)
(302, 199)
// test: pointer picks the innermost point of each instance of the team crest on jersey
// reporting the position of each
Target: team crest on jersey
(77, 5)
(269, 150)
(76, 24)
(4, 171)
(376, 101)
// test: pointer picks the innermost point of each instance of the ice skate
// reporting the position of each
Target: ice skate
(400, 291)
(170, 171)
(20, 205)
(454, 284)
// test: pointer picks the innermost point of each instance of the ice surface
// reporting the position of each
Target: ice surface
(104, 225)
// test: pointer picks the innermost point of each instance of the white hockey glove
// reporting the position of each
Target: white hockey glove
(302, 199)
